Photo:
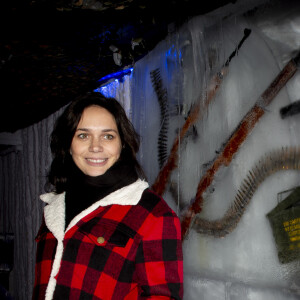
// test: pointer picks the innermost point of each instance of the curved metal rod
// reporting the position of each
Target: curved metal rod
(287, 158)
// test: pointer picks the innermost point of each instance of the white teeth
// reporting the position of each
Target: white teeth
(96, 161)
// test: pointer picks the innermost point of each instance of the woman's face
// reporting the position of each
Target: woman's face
(96, 144)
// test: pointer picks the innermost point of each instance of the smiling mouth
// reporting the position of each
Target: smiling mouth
(96, 161)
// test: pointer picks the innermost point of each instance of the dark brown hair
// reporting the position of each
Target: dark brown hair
(64, 130)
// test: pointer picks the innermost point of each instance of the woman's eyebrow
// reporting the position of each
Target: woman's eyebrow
(109, 130)
(103, 130)
(82, 129)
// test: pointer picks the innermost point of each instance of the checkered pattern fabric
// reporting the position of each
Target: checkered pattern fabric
(116, 252)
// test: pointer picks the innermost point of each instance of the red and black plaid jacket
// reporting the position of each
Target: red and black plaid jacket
(123, 249)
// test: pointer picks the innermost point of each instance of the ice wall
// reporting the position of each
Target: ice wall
(120, 90)
(244, 263)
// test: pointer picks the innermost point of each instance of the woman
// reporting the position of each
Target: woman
(105, 234)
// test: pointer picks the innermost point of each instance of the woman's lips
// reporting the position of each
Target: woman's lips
(96, 161)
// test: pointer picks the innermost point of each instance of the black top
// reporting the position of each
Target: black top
(83, 190)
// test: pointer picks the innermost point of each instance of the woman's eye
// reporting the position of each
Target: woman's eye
(82, 135)
(108, 137)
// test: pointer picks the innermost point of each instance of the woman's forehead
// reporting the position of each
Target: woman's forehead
(97, 117)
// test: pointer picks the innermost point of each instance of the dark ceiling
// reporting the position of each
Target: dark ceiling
(51, 51)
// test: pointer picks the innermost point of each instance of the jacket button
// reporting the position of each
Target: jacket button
(100, 240)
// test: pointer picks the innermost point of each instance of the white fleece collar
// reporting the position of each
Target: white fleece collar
(54, 213)
(55, 210)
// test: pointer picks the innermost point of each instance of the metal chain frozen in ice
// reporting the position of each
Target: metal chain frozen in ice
(164, 116)
(287, 158)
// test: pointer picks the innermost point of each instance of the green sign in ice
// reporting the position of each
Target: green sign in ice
(285, 222)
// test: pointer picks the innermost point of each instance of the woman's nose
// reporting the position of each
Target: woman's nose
(95, 145)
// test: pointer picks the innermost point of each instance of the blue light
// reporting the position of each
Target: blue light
(116, 75)
(110, 83)
(173, 53)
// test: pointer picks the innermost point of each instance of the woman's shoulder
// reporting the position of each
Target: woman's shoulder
(159, 220)
(155, 204)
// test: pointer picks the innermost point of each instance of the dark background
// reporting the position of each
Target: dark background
(52, 51)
